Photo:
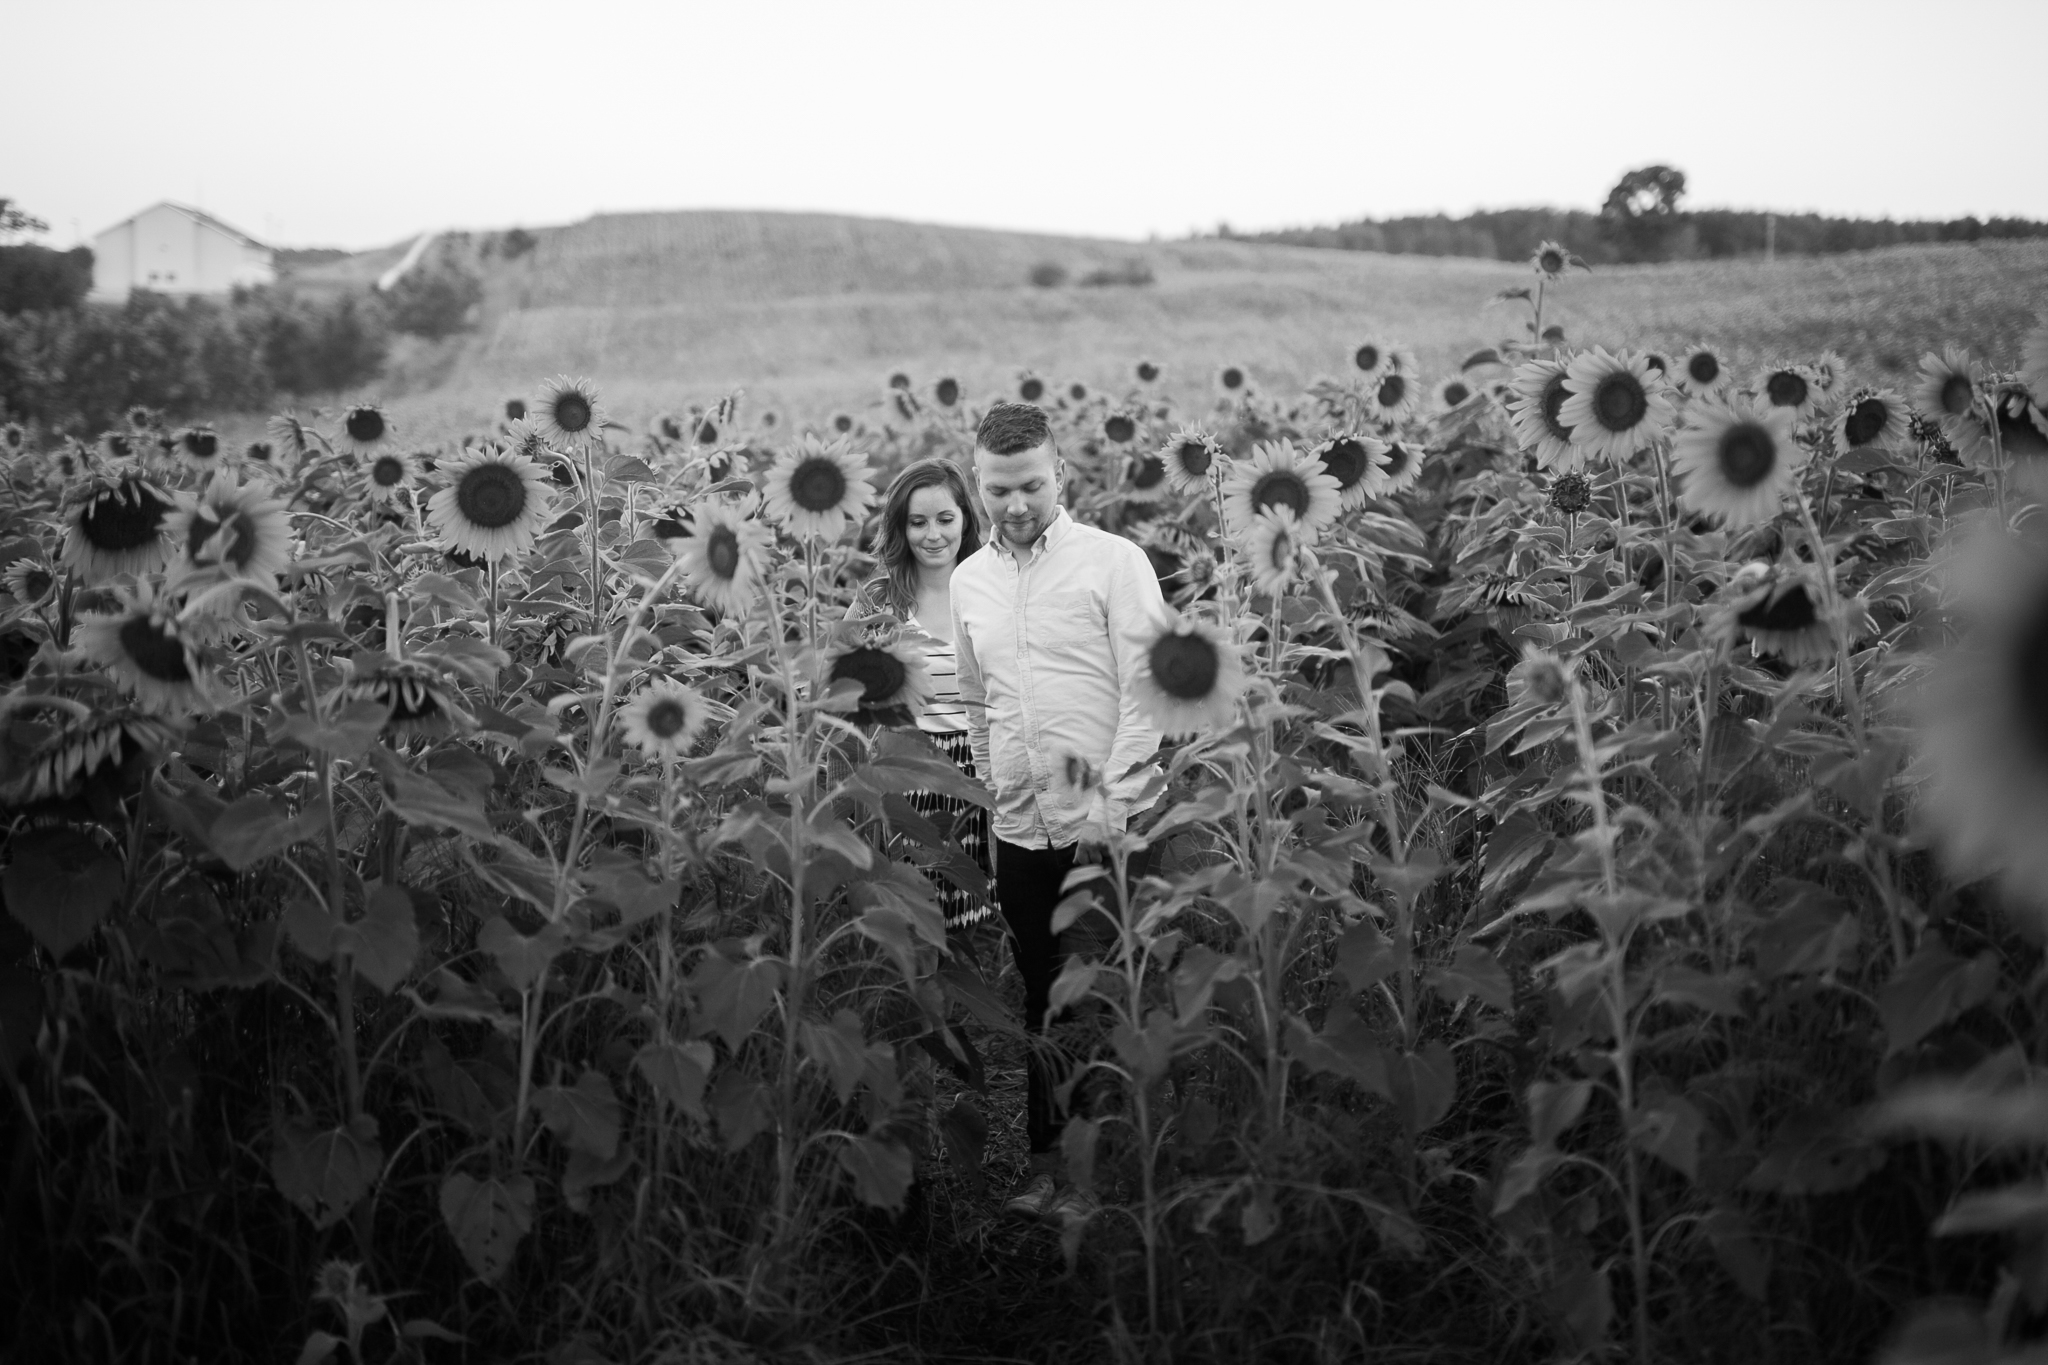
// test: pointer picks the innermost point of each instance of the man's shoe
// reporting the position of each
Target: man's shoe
(1072, 1207)
(1034, 1199)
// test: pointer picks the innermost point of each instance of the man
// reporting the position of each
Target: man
(1050, 622)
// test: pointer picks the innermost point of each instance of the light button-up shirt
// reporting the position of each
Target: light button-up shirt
(1048, 648)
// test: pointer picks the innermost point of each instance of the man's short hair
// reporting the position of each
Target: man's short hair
(1012, 428)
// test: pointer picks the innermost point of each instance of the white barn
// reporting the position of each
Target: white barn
(171, 249)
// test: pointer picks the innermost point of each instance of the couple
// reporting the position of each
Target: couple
(1034, 642)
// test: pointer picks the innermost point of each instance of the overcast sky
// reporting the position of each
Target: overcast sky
(358, 124)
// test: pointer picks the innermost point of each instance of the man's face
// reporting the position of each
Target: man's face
(1021, 491)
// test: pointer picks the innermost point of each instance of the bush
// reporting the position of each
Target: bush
(1048, 274)
(35, 279)
(434, 301)
(1132, 272)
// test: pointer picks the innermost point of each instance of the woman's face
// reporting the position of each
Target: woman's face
(935, 526)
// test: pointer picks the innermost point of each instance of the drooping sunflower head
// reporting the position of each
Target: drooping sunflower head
(1189, 678)
(417, 698)
(147, 653)
(1192, 458)
(1145, 477)
(492, 506)
(199, 448)
(1779, 613)
(566, 410)
(364, 428)
(235, 530)
(1278, 475)
(887, 682)
(817, 487)
(1736, 460)
(115, 525)
(290, 438)
(1355, 462)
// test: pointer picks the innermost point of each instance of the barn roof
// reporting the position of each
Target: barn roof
(200, 216)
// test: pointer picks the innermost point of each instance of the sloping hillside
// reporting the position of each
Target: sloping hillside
(810, 312)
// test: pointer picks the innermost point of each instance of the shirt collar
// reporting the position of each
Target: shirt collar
(1055, 531)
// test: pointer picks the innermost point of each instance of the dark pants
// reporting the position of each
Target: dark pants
(1028, 890)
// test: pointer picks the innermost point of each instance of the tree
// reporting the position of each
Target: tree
(1641, 212)
(14, 223)
(434, 301)
(35, 279)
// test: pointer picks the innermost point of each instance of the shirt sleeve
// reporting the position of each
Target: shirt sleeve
(973, 692)
(1136, 610)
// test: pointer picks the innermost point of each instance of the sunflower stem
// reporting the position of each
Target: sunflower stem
(596, 553)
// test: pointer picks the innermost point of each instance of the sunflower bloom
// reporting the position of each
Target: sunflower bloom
(1374, 357)
(1779, 614)
(1189, 679)
(1400, 466)
(290, 438)
(1539, 398)
(1451, 393)
(493, 505)
(894, 682)
(1119, 429)
(198, 448)
(235, 530)
(1702, 371)
(1278, 474)
(1145, 479)
(147, 652)
(1233, 380)
(1551, 260)
(1191, 457)
(364, 429)
(664, 719)
(116, 526)
(1278, 549)
(1791, 387)
(724, 557)
(390, 472)
(1737, 460)
(1616, 406)
(61, 763)
(1357, 464)
(1394, 393)
(816, 487)
(28, 582)
(566, 410)
(1872, 419)
(417, 699)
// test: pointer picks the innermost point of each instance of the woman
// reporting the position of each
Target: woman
(928, 527)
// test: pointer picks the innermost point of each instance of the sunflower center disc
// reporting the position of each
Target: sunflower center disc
(364, 424)
(1283, 488)
(115, 523)
(1619, 402)
(1344, 461)
(572, 412)
(1368, 357)
(2029, 677)
(1786, 389)
(1955, 395)
(1455, 394)
(1703, 369)
(2017, 436)
(1032, 390)
(665, 719)
(948, 393)
(707, 434)
(1150, 471)
(1233, 378)
(491, 496)
(879, 673)
(202, 445)
(1748, 455)
(387, 472)
(1193, 457)
(817, 485)
(722, 552)
(1865, 422)
(1119, 429)
(1185, 666)
(1793, 610)
(155, 654)
(1392, 390)
(1551, 262)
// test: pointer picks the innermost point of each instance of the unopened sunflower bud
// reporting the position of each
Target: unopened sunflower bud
(1571, 494)
(1545, 674)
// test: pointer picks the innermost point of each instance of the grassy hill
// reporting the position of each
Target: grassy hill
(810, 312)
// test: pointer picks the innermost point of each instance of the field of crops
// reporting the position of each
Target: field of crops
(462, 900)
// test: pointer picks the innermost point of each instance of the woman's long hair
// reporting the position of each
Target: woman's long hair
(899, 563)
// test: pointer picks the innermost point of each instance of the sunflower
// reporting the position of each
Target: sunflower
(1192, 457)
(515, 409)
(1617, 404)
(290, 437)
(946, 392)
(198, 448)
(1539, 400)
(116, 445)
(1356, 463)
(1148, 371)
(364, 428)
(2022, 427)
(1551, 260)
(13, 437)
(1947, 387)
(1570, 494)
(817, 487)
(1119, 428)
(1702, 371)
(417, 699)
(1374, 356)
(1983, 722)
(1078, 391)
(260, 453)
(1872, 419)
(1030, 387)
(29, 582)
(905, 403)
(1277, 547)
(666, 426)
(1829, 371)
(390, 471)
(842, 422)
(664, 719)
(566, 409)
(141, 418)
(1400, 466)
(1392, 394)
(724, 556)
(115, 526)
(1279, 475)
(1737, 459)
(1145, 478)
(1451, 393)
(1792, 387)
(146, 651)
(1233, 380)
(1779, 614)
(493, 505)
(61, 763)
(705, 431)
(1189, 678)
(236, 530)
(894, 682)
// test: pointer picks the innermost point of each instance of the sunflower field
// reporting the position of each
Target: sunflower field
(467, 902)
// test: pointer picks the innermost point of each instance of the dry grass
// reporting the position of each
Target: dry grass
(810, 312)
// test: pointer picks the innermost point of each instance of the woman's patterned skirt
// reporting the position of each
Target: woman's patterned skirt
(968, 824)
